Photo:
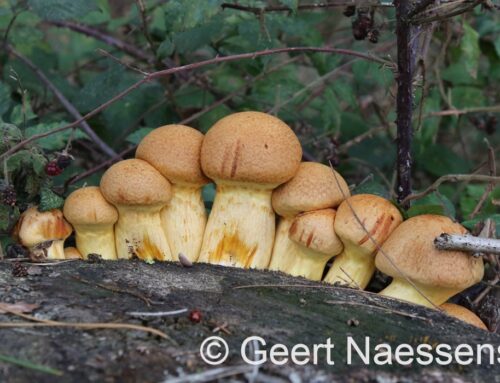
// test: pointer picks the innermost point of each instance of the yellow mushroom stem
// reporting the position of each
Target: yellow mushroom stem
(138, 232)
(54, 251)
(240, 229)
(295, 259)
(96, 239)
(354, 267)
(184, 220)
(401, 289)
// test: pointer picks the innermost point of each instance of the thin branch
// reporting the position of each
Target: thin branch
(358, 139)
(493, 172)
(192, 66)
(304, 7)
(458, 112)
(457, 8)
(105, 148)
(145, 27)
(105, 38)
(452, 178)
(467, 243)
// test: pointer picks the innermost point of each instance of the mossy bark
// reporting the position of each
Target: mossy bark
(292, 311)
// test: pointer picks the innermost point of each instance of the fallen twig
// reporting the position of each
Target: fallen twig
(85, 326)
(158, 314)
(212, 374)
(467, 243)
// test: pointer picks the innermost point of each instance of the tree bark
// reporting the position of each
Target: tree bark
(279, 308)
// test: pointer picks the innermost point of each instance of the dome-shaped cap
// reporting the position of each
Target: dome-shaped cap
(87, 206)
(314, 230)
(463, 314)
(411, 248)
(34, 227)
(135, 182)
(251, 147)
(378, 215)
(315, 186)
(174, 150)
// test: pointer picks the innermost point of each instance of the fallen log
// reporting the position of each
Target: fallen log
(191, 303)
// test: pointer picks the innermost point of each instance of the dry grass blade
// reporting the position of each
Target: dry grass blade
(35, 322)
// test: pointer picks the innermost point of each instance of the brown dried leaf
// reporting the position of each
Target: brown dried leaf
(18, 307)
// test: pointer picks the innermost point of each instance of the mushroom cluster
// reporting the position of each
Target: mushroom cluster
(271, 211)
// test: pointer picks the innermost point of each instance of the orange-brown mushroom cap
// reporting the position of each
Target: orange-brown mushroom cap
(314, 230)
(87, 206)
(378, 215)
(35, 227)
(174, 150)
(411, 248)
(135, 182)
(463, 314)
(315, 186)
(251, 147)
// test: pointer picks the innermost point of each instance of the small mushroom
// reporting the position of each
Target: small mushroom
(174, 150)
(43, 233)
(463, 314)
(139, 192)
(314, 242)
(436, 275)
(247, 154)
(314, 187)
(362, 222)
(93, 219)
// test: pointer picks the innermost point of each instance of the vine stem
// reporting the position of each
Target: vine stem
(406, 45)
(216, 60)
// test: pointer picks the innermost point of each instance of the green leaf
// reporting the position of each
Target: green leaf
(9, 134)
(62, 9)
(55, 141)
(372, 187)
(433, 203)
(439, 160)
(21, 114)
(49, 200)
(138, 135)
(30, 365)
(165, 49)
(470, 49)
(18, 160)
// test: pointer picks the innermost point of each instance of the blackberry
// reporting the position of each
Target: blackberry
(349, 11)
(19, 270)
(373, 36)
(52, 169)
(9, 196)
(63, 161)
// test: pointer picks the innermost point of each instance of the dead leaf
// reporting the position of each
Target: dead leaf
(18, 307)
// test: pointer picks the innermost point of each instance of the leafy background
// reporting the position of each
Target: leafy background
(331, 101)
